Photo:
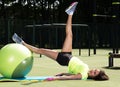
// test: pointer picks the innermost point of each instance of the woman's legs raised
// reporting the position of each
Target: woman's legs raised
(47, 52)
(67, 45)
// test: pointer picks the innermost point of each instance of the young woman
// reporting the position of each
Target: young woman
(77, 69)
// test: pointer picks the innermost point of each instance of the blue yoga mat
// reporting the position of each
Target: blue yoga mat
(3, 79)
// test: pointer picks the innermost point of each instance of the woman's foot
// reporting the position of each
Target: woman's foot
(17, 39)
(70, 10)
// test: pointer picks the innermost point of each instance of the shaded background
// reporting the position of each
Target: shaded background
(27, 17)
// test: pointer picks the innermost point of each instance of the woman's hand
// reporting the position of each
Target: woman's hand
(60, 74)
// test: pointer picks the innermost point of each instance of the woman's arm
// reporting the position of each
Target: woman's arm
(66, 77)
(61, 74)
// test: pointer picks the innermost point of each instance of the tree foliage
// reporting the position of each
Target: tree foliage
(26, 9)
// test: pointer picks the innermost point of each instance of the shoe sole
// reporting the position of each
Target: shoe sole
(74, 3)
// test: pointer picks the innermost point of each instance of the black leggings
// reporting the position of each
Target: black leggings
(63, 58)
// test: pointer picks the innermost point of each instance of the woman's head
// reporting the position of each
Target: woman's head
(97, 74)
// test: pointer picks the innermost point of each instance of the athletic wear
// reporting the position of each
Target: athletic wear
(76, 66)
(63, 58)
(17, 39)
(70, 10)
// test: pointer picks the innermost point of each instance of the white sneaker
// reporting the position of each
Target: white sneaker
(70, 10)
(17, 39)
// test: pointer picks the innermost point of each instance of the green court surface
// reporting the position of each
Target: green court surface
(46, 67)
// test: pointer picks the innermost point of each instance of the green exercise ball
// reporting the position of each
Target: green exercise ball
(15, 60)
